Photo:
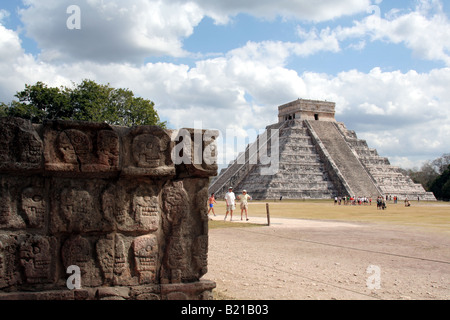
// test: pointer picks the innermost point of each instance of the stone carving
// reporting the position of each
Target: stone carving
(108, 200)
(8, 273)
(106, 256)
(108, 148)
(147, 152)
(21, 147)
(134, 209)
(175, 203)
(34, 206)
(76, 207)
(146, 258)
(8, 206)
(112, 253)
(81, 147)
(146, 212)
(77, 251)
(200, 249)
(37, 256)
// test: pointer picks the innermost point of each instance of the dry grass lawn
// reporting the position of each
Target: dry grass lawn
(432, 215)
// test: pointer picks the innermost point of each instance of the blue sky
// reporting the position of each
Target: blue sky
(229, 64)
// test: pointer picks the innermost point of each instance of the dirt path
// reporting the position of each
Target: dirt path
(310, 259)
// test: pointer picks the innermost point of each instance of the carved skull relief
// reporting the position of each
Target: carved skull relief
(76, 206)
(35, 257)
(176, 202)
(77, 251)
(66, 149)
(30, 148)
(80, 142)
(146, 257)
(146, 150)
(108, 148)
(146, 211)
(120, 258)
(33, 204)
(105, 254)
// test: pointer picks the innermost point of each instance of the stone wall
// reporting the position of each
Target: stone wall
(108, 200)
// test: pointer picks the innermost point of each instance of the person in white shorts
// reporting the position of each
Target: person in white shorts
(244, 203)
(230, 200)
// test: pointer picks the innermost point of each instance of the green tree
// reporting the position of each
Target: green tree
(87, 101)
(441, 185)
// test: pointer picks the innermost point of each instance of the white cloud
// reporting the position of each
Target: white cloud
(117, 31)
(110, 30)
(402, 114)
(426, 31)
(223, 11)
(3, 14)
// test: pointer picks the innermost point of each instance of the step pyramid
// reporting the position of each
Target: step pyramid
(318, 158)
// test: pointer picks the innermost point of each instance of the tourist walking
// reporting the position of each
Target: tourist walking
(211, 202)
(230, 199)
(244, 203)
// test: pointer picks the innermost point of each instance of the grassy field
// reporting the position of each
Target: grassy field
(433, 215)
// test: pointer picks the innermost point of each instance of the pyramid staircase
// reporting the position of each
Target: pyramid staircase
(319, 158)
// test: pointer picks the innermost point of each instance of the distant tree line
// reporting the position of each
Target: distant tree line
(434, 176)
(87, 101)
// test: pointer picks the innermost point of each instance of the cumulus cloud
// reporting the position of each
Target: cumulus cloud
(110, 31)
(117, 31)
(425, 31)
(402, 114)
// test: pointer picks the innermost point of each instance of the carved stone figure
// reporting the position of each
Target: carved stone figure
(36, 257)
(106, 199)
(146, 258)
(34, 206)
(66, 149)
(81, 144)
(106, 256)
(146, 212)
(76, 207)
(21, 148)
(146, 150)
(77, 251)
(108, 148)
(200, 249)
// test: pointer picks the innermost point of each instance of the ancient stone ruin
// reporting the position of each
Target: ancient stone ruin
(319, 158)
(108, 201)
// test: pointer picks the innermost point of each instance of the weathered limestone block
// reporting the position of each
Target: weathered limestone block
(80, 147)
(114, 202)
(21, 147)
(147, 152)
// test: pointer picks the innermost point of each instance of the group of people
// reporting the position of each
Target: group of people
(230, 199)
(353, 200)
(381, 204)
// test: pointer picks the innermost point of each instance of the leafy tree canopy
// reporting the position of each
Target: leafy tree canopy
(87, 101)
(441, 185)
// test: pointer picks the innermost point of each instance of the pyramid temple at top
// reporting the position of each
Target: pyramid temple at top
(318, 158)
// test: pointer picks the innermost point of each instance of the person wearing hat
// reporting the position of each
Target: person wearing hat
(230, 199)
(244, 203)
